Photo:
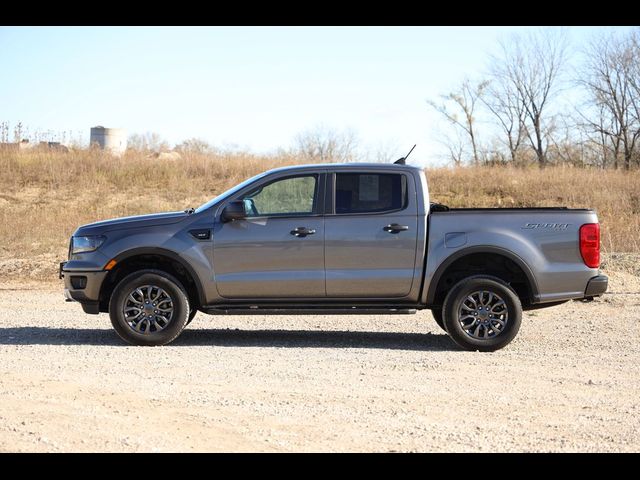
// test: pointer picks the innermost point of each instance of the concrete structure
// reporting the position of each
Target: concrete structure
(57, 146)
(112, 139)
(15, 146)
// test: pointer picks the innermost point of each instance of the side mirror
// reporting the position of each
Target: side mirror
(234, 211)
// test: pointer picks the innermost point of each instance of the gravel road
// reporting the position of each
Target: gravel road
(569, 382)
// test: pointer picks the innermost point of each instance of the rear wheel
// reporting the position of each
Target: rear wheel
(482, 313)
(192, 314)
(149, 307)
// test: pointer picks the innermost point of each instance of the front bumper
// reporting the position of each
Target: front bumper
(83, 287)
(596, 286)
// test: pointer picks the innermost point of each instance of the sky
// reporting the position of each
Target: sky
(251, 88)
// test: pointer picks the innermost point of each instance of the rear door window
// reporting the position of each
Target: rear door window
(370, 192)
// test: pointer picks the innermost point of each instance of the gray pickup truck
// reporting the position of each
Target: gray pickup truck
(334, 239)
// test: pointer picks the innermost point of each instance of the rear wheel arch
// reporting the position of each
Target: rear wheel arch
(483, 260)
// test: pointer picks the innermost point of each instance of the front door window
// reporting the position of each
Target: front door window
(286, 197)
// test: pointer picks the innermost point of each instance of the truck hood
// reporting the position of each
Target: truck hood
(135, 221)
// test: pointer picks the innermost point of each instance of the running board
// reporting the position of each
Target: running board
(307, 311)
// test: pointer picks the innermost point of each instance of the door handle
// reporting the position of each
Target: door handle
(395, 228)
(302, 231)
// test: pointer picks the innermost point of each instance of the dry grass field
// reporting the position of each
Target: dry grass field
(44, 196)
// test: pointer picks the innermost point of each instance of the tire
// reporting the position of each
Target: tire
(487, 322)
(192, 314)
(149, 327)
(437, 316)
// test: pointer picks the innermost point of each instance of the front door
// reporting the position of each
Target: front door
(371, 235)
(278, 250)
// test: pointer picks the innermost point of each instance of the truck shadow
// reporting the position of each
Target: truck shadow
(236, 338)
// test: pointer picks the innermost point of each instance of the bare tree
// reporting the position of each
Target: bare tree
(565, 145)
(324, 144)
(462, 102)
(508, 108)
(634, 79)
(18, 132)
(194, 145)
(455, 146)
(597, 125)
(454, 142)
(530, 65)
(610, 77)
(4, 132)
(385, 151)
(149, 141)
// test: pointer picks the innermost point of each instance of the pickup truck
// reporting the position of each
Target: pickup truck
(335, 239)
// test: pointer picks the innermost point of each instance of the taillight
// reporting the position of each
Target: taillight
(590, 244)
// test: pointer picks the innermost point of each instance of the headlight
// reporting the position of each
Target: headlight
(86, 244)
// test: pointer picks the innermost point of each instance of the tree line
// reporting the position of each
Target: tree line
(514, 114)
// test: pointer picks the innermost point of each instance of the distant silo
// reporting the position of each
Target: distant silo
(112, 139)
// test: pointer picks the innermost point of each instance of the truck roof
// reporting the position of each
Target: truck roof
(346, 166)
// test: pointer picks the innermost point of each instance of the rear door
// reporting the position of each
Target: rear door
(370, 234)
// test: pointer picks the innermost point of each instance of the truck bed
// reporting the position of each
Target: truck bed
(545, 239)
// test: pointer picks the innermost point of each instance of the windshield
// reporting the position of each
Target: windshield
(229, 192)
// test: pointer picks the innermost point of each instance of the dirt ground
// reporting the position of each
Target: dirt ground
(568, 382)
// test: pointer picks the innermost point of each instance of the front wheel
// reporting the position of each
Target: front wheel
(149, 307)
(437, 316)
(482, 313)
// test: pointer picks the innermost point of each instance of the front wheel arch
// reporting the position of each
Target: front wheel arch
(138, 259)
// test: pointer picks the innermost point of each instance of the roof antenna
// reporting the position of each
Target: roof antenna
(402, 160)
